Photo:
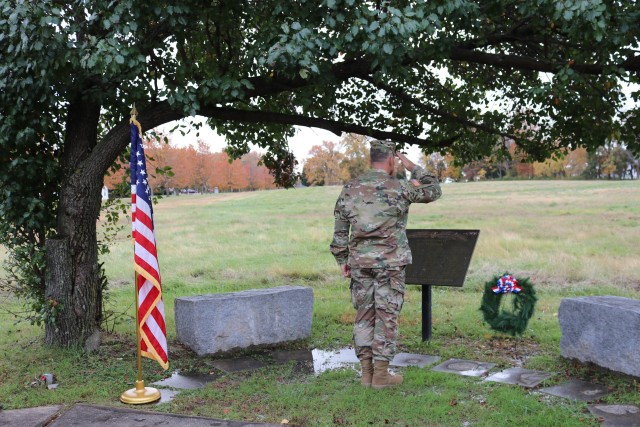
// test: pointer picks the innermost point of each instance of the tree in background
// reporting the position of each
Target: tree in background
(356, 156)
(190, 168)
(258, 177)
(436, 164)
(229, 174)
(323, 164)
(452, 171)
(576, 162)
(161, 158)
(336, 163)
(612, 161)
(519, 165)
(444, 75)
(474, 171)
(182, 161)
(551, 168)
(202, 167)
(620, 163)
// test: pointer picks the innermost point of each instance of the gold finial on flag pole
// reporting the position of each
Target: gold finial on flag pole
(133, 120)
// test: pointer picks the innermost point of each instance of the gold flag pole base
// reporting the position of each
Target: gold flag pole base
(140, 394)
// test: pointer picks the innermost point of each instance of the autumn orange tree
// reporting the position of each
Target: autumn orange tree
(333, 163)
(323, 164)
(356, 156)
(172, 169)
(258, 176)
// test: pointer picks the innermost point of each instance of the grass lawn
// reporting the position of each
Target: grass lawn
(570, 238)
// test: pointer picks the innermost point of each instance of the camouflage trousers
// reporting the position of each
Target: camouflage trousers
(377, 294)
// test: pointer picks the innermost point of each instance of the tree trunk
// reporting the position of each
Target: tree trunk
(80, 285)
(61, 324)
(72, 263)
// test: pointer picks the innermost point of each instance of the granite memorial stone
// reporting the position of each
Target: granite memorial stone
(602, 330)
(209, 324)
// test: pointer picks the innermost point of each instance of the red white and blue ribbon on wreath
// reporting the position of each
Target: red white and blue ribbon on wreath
(506, 284)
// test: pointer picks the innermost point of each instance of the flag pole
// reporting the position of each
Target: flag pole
(139, 350)
(140, 394)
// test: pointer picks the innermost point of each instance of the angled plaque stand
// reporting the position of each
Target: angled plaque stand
(440, 258)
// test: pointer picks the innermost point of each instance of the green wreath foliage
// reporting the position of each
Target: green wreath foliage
(510, 322)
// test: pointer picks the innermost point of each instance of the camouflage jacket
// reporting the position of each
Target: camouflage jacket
(371, 218)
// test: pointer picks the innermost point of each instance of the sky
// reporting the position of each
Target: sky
(300, 143)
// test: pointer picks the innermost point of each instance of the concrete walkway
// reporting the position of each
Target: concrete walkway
(105, 416)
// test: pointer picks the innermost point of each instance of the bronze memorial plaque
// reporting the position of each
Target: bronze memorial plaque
(440, 257)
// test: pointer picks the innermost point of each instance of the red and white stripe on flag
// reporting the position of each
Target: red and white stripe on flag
(153, 331)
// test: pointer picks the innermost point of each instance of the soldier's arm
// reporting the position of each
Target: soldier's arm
(340, 244)
(423, 186)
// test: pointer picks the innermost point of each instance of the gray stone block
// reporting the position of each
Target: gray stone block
(210, 324)
(602, 330)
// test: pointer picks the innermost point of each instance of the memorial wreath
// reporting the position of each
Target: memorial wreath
(524, 300)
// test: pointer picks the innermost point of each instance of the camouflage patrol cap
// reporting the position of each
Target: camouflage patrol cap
(383, 145)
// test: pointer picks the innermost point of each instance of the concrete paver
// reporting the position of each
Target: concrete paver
(417, 360)
(519, 376)
(28, 417)
(577, 390)
(469, 368)
(617, 415)
(105, 416)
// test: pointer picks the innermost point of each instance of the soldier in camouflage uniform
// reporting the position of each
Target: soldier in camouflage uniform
(370, 245)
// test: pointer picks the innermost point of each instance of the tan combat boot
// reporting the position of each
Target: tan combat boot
(367, 372)
(381, 376)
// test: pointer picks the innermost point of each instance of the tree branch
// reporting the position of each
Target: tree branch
(520, 33)
(334, 126)
(117, 139)
(445, 117)
(532, 64)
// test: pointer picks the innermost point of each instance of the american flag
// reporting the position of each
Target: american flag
(153, 332)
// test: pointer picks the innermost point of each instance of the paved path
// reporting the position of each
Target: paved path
(105, 416)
